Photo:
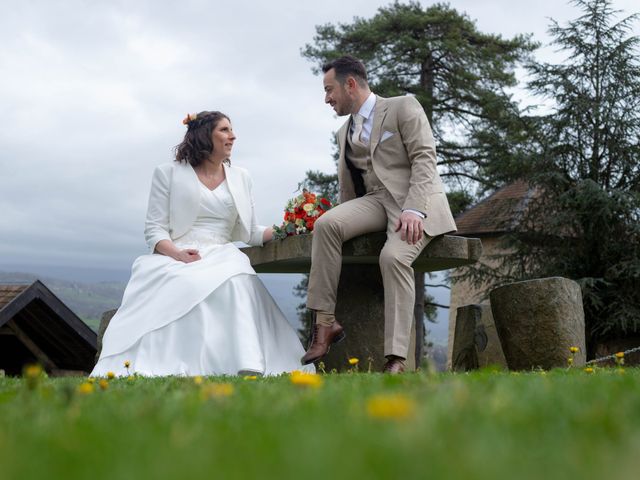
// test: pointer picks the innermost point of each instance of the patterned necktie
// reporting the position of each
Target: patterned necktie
(358, 121)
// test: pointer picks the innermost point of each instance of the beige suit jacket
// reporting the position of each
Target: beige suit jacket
(403, 156)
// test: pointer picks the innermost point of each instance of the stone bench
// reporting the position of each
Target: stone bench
(360, 306)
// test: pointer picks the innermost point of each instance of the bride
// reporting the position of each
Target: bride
(195, 306)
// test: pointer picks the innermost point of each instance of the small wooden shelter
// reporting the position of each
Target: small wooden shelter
(37, 327)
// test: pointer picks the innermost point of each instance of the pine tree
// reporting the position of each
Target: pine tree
(461, 76)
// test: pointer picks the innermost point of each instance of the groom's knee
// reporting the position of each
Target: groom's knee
(391, 259)
(326, 225)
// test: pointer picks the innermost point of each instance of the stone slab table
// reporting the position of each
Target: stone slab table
(360, 306)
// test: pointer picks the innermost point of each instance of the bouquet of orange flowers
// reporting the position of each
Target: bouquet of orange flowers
(301, 214)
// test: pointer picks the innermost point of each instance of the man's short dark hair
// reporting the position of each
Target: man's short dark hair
(347, 66)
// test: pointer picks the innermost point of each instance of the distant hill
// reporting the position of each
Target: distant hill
(87, 300)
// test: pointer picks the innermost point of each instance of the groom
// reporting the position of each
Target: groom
(388, 181)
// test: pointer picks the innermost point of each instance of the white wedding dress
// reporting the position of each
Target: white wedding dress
(209, 317)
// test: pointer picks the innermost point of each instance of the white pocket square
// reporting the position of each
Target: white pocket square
(386, 135)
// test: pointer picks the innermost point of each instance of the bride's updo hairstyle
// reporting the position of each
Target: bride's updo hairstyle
(197, 146)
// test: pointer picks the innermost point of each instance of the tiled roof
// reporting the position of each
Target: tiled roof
(34, 320)
(9, 292)
(497, 213)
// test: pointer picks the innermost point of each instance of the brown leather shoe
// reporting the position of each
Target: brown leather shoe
(322, 338)
(394, 366)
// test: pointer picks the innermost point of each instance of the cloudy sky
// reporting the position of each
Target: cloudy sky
(93, 94)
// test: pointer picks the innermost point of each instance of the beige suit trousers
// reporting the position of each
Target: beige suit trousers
(374, 212)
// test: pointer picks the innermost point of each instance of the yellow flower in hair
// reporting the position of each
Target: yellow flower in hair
(189, 118)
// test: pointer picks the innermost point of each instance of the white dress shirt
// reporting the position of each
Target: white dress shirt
(366, 110)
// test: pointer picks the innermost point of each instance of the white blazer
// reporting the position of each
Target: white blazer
(175, 197)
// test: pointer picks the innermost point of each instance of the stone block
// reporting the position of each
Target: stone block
(538, 321)
(360, 310)
(293, 254)
(104, 323)
(475, 342)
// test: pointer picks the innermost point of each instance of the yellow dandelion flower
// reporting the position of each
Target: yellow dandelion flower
(250, 377)
(217, 390)
(91, 380)
(32, 371)
(197, 380)
(620, 355)
(131, 378)
(85, 388)
(303, 379)
(574, 349)
(353, 361)
(111, 375)
(570, 360)
(390, 406)
(103, 384)
(127, 364)
(32, 374)
(588, 370)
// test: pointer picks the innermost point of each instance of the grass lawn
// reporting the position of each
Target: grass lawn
(568, 425)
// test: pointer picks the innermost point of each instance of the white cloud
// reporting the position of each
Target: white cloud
(93, 94)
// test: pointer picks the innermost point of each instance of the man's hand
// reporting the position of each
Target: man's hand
(410, 227)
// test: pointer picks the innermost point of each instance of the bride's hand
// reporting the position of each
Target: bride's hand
(168, 248)
(267, 236)
(187, 255)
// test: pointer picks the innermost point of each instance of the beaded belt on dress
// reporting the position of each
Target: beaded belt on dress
(201, 238)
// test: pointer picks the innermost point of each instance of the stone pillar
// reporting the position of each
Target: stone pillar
(360, 310)
(104, 323)
(475, 341)
(538, 321)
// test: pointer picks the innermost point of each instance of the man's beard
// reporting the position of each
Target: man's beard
(346, 109)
